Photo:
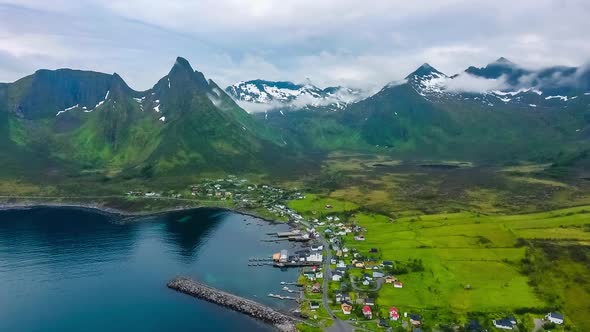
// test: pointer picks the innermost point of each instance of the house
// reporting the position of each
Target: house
(341, 270)
(314, 305)
(503, 323)
(378, 274)
(310, 275)
(341, 264)
(390, 279)
(316, 288)
(366, 282)
(370, 301)
(319, 275)
(398, 284)
(284, 256)
(555, 317)
(346, 308)
(336, 277)
(415, 319)
(333, 261)
(359, 238)
(359, 264)
(387, 264)
(339, 253)
(318, 247)
(339, 297)
(367, 312)
(393, 314)
(315, 257)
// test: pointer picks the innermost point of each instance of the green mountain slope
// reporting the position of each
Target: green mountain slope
(95, 121)
(413, 119)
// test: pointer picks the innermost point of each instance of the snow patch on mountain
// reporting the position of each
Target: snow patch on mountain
(564, 98)
(260, 95)
(67, 109)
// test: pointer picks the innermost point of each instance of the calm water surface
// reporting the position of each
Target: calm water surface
(67, 269)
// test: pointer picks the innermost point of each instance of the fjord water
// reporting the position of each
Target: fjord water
(64, 269)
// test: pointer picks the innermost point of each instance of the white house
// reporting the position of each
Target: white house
(336, 277)
(317, 247)
(555, 317)
(315, 257)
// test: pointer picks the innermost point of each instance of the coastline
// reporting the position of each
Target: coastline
(101, 208)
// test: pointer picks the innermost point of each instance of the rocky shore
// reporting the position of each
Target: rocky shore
(196, 289)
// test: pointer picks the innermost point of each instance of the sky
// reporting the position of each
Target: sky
(363, 44)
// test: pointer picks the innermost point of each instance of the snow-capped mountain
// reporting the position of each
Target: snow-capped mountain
(288, 95)
(503, 82)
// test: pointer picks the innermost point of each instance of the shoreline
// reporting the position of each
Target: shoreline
(100, 208)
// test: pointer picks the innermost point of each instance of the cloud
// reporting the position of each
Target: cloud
(331, 41)
(465, 82)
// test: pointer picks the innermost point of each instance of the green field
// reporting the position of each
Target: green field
(473, 263)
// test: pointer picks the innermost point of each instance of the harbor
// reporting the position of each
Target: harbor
(256, 310)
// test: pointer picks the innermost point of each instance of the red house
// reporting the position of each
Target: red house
(367, 312)
(393, 314)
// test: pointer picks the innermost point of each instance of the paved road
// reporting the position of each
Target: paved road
(378, 284)
(339, 325)
(538, 324)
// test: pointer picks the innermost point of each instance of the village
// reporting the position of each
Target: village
(343, 282)
(337, 279)
(237, 193)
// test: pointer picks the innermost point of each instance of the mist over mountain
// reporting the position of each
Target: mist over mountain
(90, 120)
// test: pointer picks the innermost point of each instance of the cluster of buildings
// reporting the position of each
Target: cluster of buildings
(246, 194)
(303, 257)
(509, 323)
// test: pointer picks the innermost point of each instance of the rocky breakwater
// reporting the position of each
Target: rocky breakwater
(196, 289)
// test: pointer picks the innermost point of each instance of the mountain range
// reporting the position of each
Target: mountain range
(284, 95)
(80, 120)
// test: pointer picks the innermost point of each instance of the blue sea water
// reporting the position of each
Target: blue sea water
(67, 269)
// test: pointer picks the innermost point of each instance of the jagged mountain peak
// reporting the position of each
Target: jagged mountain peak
(182, 64)
(425, 70)
(182, 75)
(503, 61)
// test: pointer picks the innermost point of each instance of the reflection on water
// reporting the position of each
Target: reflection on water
(72, 269)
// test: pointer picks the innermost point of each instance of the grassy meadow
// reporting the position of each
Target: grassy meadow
(480, 232)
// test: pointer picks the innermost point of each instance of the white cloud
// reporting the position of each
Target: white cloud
(469, 83)
(331, 41)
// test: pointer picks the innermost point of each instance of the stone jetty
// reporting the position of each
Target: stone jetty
(196, 289)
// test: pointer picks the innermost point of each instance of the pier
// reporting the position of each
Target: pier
(198, 290)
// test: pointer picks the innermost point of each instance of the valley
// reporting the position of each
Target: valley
(477, 202)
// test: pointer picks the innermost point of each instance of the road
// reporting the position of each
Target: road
(378, 284)
(538, 324)
(339, 325)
